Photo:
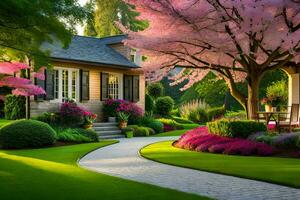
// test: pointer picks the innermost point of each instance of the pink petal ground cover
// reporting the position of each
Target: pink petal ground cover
(200, 139)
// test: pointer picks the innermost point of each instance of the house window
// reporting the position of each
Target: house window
(113, 86)
(66, 84)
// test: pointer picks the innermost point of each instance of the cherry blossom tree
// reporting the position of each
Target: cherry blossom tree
(237, 40)
(20, 86)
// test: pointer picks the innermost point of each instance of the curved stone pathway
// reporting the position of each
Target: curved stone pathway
(123, 160)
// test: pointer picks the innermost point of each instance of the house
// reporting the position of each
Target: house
(90, 71)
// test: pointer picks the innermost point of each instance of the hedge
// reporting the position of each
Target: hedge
(238, 128)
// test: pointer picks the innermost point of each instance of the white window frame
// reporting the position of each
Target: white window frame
(60, 81)
(120, 86)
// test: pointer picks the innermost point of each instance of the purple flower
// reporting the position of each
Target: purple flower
(200, 139)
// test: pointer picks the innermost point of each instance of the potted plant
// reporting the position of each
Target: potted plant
(267, 103)
(89, 119)
(123, 119)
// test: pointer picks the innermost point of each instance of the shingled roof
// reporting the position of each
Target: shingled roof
(91, 50)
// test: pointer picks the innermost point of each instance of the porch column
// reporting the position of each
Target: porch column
(294, 89)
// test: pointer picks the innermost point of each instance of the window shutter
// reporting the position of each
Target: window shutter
(84, 85)
(104, 85)
(128, 87)
(49, 84)
(40, 83)
(136, 88)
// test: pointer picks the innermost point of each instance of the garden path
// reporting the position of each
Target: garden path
(123, 160)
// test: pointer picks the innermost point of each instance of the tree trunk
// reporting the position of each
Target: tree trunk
(253, 95)
(237, 94)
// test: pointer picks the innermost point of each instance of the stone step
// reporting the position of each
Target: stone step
(106, 128)
(110, 132)
(108, 137)
(105, 124)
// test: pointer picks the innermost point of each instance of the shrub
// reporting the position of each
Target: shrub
(151, 131)
(111, 107)
(182, 120)
(90, 133)
(14, 107)
(164, 105)
(155, 90)
(141, 132)
(70, 135)
(129, 128)
(71, 114)
(129, 134)
(192, 106)
(175, 112)
(144, 121)
(26, 133)
(241, 128)
(157, 126)
(286, 140)
(170, 124)
(236, 115)
(277, 92)
(215, 113)
(149, 103)
(49, 118)
(77, 135)
(264, 138)
(200, 139)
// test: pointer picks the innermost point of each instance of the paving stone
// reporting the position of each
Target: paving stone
(122, 160)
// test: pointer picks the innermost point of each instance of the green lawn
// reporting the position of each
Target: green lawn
(53, 173)
(4, 122)
(285, 171)
(178, 132)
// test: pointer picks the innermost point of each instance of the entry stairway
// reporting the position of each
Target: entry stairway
(108, 130)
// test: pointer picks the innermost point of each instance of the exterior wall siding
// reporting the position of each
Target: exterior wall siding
(94, 104)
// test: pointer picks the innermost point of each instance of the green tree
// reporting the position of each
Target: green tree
(102, 21)
(26, 24)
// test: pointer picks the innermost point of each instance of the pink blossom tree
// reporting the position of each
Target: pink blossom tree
(20, 86)
(237, 40)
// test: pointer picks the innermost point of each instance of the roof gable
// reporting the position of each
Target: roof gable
(91, 50)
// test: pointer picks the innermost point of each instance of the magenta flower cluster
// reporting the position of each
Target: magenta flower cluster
(200, 139)
(73, 110)
(112, 106)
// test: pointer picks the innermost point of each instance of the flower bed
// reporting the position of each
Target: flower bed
(200, 139)
(113, 106)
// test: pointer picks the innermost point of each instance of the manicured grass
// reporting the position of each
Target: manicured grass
(178, 132)
(4, 122)
(171, 133)
(285, 171)
(53, 173)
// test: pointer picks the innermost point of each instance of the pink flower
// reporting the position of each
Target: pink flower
(200, 139)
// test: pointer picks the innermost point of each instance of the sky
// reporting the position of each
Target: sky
(79, 27)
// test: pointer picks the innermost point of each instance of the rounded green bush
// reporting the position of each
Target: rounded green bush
(157, 126)
(155, 90)
(149, 103)
(25, 134)
(141, 131)
(164, 105)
